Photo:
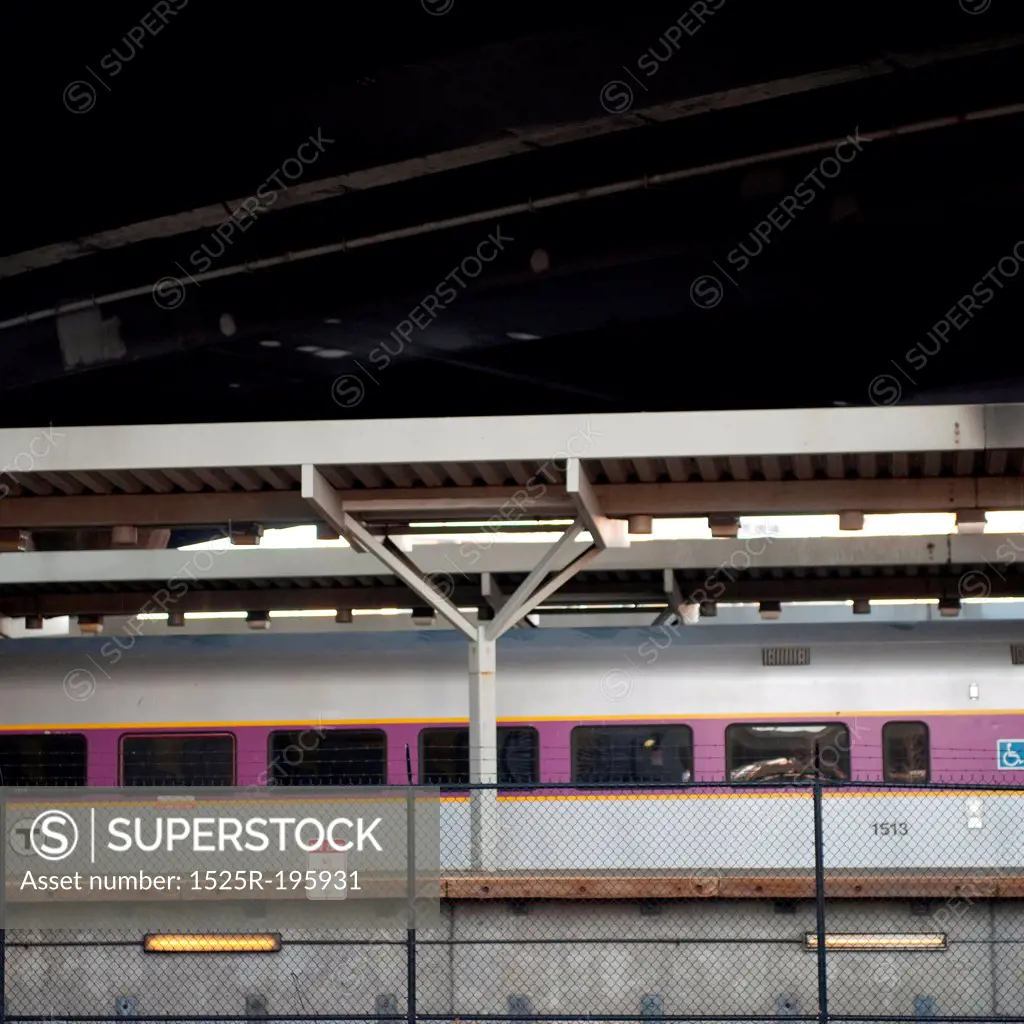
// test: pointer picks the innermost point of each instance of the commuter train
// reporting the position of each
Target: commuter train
(583, 714)
(931, 703)
(622, 753)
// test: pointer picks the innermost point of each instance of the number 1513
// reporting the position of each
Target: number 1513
(890, 828)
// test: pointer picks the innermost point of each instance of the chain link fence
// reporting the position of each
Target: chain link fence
(746, 902)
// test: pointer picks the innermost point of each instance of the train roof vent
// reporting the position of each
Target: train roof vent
(1017, 654)
(777, 656)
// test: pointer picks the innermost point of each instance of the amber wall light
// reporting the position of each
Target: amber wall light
(212, 943)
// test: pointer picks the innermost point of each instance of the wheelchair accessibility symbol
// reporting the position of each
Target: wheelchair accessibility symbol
(1011, 755)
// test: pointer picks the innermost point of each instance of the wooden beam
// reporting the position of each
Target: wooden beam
(105, 510)
(583, 886)
(810, 497)
(683, 887)
(267, 507)
(160, 598)
(764, 497)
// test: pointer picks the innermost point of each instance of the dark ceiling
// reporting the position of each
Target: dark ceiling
(623, 153)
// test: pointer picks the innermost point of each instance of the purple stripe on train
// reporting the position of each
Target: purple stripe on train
(963, 747)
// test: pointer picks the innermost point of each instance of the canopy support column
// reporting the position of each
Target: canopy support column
(483, 751)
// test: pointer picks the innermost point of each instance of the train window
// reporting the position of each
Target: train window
(334, 757)
(905, 752)
(182, 759)
(625, 754)
(783, 753)
(42, 759)
(444, 756)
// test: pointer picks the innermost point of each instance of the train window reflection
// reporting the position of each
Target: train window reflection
(905, 752)
(332, 757)
(630, 754)
(182, 759)
(784, 753)
(444, 756)
(42, 759)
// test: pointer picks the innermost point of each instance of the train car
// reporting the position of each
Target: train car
(633, 765)
(578, 710)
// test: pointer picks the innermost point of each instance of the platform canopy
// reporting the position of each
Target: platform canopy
(938, 458)
(90, 511)
(644, 576)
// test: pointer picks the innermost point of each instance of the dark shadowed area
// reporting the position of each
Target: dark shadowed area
(450, 208)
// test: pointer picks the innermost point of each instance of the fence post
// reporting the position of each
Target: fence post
(410, 889)
(819, 895)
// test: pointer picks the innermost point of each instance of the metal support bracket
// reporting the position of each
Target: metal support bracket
(496, 599)
(321, 495)
(604, 533)
(607, 533)
(673, 595)
(677, 608)
(529, 595)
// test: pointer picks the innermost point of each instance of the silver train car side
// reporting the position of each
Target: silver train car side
(620, 759)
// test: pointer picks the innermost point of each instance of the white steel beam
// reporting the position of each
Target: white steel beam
(491, 592)
(483, 750)
(539, 596)
(673, 595)
(529, 594)
(496, 599)
(321, 495)
(512, 610)
(542, 439)
(604, 531)
(438, 559)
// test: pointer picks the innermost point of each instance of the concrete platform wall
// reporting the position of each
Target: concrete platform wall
(722, 958)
